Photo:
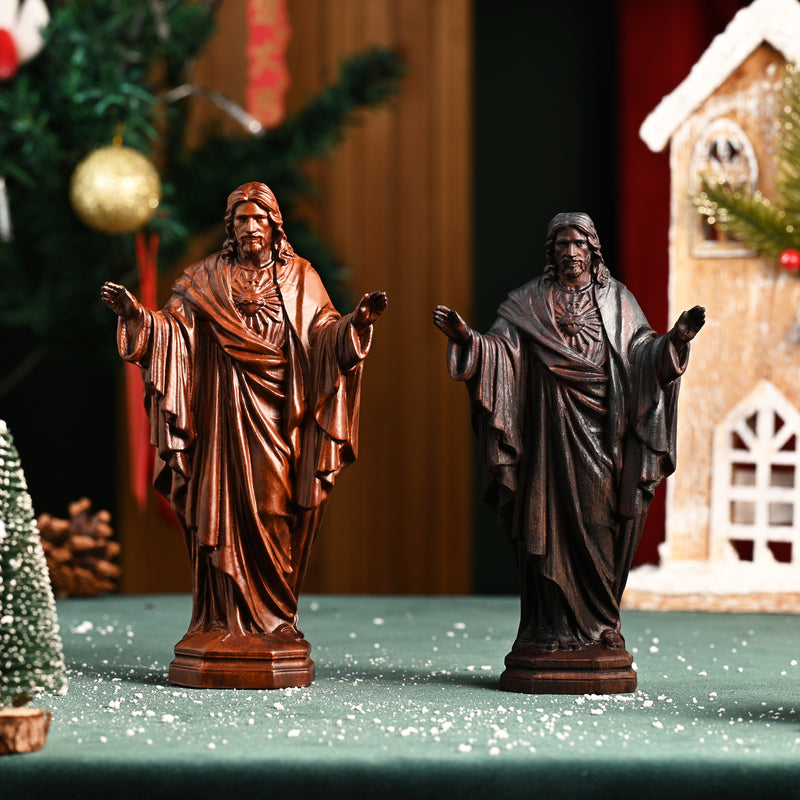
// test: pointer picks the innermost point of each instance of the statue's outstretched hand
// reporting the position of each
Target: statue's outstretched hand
(451, 324)
(369, 308)
(688, 324)
(120, 300)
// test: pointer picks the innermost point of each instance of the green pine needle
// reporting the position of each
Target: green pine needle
(31, 651)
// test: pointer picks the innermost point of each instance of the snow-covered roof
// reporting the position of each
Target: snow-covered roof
(776, 22)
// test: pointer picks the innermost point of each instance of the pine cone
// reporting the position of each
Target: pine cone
(80, 552)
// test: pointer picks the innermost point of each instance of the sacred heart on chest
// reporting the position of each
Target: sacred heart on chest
(570, 324)
(249, 302)
(570, 314)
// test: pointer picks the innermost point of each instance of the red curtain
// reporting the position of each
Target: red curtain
(658, 44)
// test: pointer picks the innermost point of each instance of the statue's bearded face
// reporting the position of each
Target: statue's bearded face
(573, 256)
(253, 230)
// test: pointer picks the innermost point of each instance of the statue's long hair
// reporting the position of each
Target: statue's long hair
(583, 223)
(262, 195)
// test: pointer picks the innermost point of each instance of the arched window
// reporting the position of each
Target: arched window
(755, 505)
(723, 152)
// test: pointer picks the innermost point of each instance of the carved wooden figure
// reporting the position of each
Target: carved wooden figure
(252, 385)
(574, 402)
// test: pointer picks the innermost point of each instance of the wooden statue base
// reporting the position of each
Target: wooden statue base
(218, 660)
(23, 730)
(590, 670)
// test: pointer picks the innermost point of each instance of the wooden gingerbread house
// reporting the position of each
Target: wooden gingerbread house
(733, 506)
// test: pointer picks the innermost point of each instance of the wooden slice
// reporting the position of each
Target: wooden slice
(23, 730)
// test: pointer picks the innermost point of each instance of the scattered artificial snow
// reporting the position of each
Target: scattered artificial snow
(83, 627)
(432, 700)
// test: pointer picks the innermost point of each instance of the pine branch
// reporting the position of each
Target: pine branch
(219, 164)
(368, 79)
(748, 216)
(788, 159)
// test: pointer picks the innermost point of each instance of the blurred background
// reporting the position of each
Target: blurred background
(507, 113)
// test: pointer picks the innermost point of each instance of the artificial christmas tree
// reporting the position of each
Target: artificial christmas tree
(31, 657)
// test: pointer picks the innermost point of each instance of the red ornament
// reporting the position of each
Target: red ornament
(790, 260)
(9, 57)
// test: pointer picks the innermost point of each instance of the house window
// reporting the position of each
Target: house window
(723, 152)
(756, 481)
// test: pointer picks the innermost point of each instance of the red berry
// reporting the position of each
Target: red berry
(9, 58)
(790, 260)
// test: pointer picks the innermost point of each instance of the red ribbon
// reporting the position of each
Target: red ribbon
(267, 73)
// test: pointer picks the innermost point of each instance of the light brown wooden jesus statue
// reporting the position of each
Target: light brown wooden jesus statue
(252, 385)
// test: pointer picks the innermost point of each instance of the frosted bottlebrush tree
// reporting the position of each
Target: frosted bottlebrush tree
(31, 656)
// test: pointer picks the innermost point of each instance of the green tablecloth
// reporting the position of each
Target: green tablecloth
(406, 704)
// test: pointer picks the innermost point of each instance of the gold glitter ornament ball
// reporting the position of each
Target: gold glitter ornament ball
(115, 189)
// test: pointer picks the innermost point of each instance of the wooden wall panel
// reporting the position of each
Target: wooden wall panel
(395, 203)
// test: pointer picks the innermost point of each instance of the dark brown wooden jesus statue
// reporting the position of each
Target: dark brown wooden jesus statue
(574, 402)
(252, 385)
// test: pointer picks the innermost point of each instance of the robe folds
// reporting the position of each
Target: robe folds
(572, 451)
(250, 431)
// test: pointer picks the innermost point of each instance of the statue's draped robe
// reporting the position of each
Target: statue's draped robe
(573, 443)
(253, 412)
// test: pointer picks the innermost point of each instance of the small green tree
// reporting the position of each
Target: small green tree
(31, 655)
